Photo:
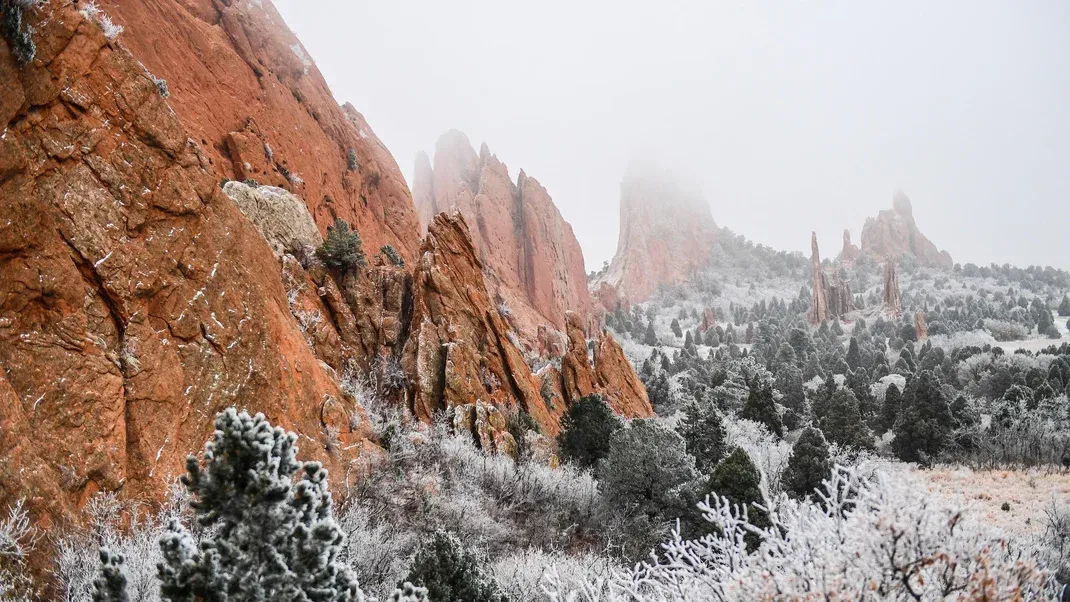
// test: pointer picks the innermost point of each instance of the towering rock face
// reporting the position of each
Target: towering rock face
(135, 298)
(830, 297)
(893, 232)
(532, 261)
(259, 108)
(892, 301)
(611, 376)
(666, 233)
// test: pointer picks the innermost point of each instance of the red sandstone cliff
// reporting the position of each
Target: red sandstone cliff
(530, 256)
(666, 233)
(894, 233)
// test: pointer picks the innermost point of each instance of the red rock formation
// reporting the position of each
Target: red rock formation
(532, 261)
(709, 319)
(831, 297)
(893, 303)
(850, 251)
(612, 375)
(135, 298)
(259, 108)
(894, 233)
(921, 327)
(666, 233)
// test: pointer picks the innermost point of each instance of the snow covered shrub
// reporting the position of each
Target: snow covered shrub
(881, 538)
(520, 575)
(17, 538)
(769, 453)
(451, 573)
(17, 34)
(1006, 331)
(91, 11)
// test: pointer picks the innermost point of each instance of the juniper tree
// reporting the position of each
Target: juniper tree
(586, 430)
(1064, 307)
(925, 422)
(704, 435)
(843, 421)
(342, 250)
(15, 31)
(675, 326)
(645, 469)
(450, 573)
(809, 464)
(266, 538)
(893, 404)
(650, 337)
(760, 406)
(110, 585)
(738, 480)
(854, 355)
(392, 254)
(789, 383)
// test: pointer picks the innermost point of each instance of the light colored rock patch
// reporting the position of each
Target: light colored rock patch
(282, 218)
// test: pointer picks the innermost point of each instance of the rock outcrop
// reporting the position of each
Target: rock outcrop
(893, 302)
(831, 297)
(611, 376)
(532, 261)
(135, 298)
(850, 252)
(251, 97)
(666, 234)
(282, 218)
(921, 327)
(894, 233)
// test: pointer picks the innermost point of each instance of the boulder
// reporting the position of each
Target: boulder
(282, 218)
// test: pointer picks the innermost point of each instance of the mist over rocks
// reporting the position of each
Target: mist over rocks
(532, 261)
(894, 233)
(666, 233)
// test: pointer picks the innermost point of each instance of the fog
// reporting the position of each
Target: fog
(791, 117)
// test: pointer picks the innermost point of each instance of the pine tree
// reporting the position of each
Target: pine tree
(737, 479)
(704, 435)
(650, 337)
(267, 538)
(924, 425)
(675, 325)
(760, 406)
(586, 430)
(809, 464)
(893, 405)
(449, 573)
(342, 250)
(843, 421)
(1064, 307)
(110, 585)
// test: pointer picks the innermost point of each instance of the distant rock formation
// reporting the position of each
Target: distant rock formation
(894, 233)
(921, 327)
(893, 303)
(831, 297)
(666, 234)
(850, 252)
(531, 258)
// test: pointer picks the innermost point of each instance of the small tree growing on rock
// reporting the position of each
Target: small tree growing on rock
(15, 32)
(342, 250)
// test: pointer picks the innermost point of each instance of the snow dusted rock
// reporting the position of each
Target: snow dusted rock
(921, 327)
(611, 376)
(666, 233)
(135, 299)
(894, 232)
(830, 296)
(282, 218)
(893, 303)
(532, 261)
(850, 252)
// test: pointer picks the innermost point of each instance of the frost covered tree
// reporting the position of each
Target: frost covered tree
(646, 469)
(110, 585)
(704, 435)
(760, 405)
(449, 573)
(809, 465)
(266, 538)
(925, 422)
(843, 421)
(586, 430)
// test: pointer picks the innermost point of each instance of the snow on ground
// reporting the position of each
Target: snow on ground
(1028, 494)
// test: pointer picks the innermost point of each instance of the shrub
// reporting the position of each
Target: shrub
(342, 250)
(351, 159)
(586, 430)
(450, 573)
(15, 32)
(17, 539)
(392, 254)
(645, 468)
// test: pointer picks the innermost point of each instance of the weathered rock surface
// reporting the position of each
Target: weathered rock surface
(135, 299)
(831, 297)
(666, 234)
(532, 261)
(282, 218)
(611, 376)
(894, 233)
(921, 327)
(893, 302)
(260, 109)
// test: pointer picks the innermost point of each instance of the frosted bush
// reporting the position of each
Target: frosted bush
(768, 453)
(1006, 331)
(881, 538)
(91, 11)
(520, 576)
(17, 538)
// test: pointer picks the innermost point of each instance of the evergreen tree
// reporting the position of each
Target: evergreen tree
(854, 355)
(675, 325)
(110, 585)
(586, 430)
(704, 435)
(924, 424)
(893, 405)
(761, 407)
(737, 479)
(790, 384)
(843, 421)
(688, 342)
(650, 337)
(450, 573)
(645, 470)
(809, 464)
(266, 539)
(1064, 307)
(342, 250)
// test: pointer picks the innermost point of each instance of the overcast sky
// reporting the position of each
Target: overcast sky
(790, 116)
